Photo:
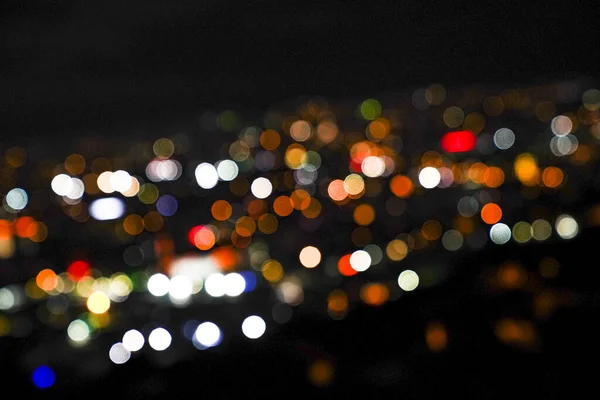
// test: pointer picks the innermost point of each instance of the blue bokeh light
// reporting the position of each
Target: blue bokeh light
(43, 377)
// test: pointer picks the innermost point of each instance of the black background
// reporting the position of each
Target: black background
(68, 67)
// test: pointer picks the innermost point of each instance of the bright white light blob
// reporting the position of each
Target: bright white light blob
(133, 340)
(158, 285)
(16, 199)
(373, 166)
(360, 260)
(429, 177)
(159, 339)
(77, 189)
(408, 280)
(234, 284)
(180, 289)
(7, 299)
(261, 188)
(78, 331)
(120, 180)
(119, 354)
(61, 184)
(500, 233)
(206, 176)
(208, 334)
(227, 170)
(566, 226)
(254, 327)
(107, 208)
(103, 182)
(215, 285)
(504, 138)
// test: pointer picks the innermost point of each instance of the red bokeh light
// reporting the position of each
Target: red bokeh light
(459, 141)
(78, 269)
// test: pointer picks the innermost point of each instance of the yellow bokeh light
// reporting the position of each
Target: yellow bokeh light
(354, 184)
(272, 270)
(98, 302)
(268, 223)
(396, 250)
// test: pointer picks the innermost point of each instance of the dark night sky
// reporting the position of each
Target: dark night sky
(72, 66)
(69, 65)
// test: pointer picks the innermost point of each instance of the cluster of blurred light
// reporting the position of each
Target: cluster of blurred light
(68, 187)
(159, 170)
(231, 284)
(206, 175)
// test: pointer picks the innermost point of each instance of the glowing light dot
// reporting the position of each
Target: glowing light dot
(98, 302)
(107, 208)
(133, 340)
(360, 260)
(43, 377)
(61, 184)
(208, 334)
(561, 125)
(206, 176)
(500, 233)
(159, 339)
(254, 327)
(310, 257)
(16, 199)
(504, 138)
(429, 177)
(215, 285)
(118, 354)
(408, 280)
(227, 170)
(566, 226)
(120, 181)
(158, 285)
(354, 184)
(261, 188)
(373, 166)
(180, 288)
(235, 284)
(78, 331)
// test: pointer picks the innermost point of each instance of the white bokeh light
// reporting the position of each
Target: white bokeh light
(78, 331)
(500, 233)
(158, 285)
(215, 285)
(234, 284)
(120, 180)
(227, 170)
(208, 334)
(119, 354)
(429, 177)
(566, 226)
(107, 208)
(504, 138)
(254, 327)
(77, 189)
(373, 166)
(180, 288)
(360, 260)
(61, 184)
(261, 188)
(16, 199)
(159, 339)
(408, 280)
(206, 176)
(133, 340)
